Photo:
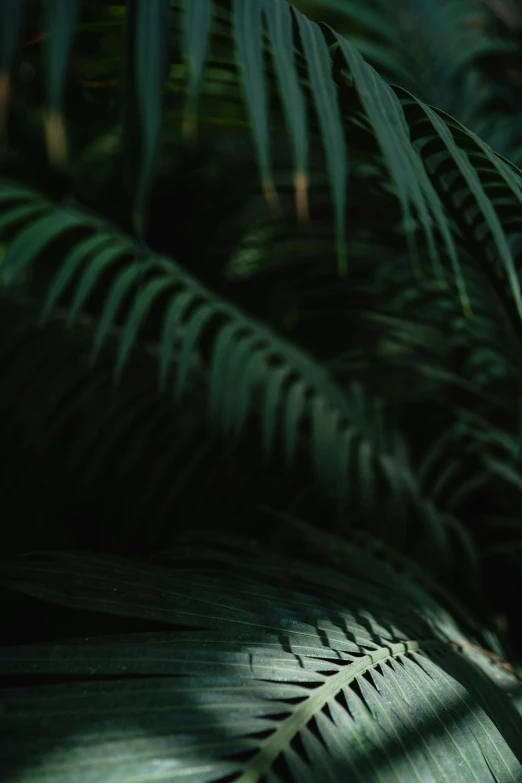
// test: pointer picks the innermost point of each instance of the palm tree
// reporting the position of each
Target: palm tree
(261, 332)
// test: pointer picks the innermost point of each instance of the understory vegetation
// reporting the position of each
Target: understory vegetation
(261, 391)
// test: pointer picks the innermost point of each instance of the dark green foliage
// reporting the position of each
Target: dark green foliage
(265, 256)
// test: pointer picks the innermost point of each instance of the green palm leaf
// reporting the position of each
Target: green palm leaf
(279, 21)
(61, 23)
(291, 667)
(383, 112)
(248, 15)
(275, 667)
(11, 16)
(318, 60)
(150, 59)
(244, 365)
(197, 22)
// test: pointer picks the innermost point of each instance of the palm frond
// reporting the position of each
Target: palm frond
(10, 24)
(249, 370)
(429, 164)
(61, 25)
(378, 103)
(149, 32)
(390, 395)
(197, 20)
(281, 669)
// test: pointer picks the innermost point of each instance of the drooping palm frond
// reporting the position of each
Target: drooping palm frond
(150, 301)
(279, 668)
(318, 90)
(288, 29)
(443, 52)
(370, 656)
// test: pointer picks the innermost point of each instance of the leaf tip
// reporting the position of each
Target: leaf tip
(56, 138)
(301, 196)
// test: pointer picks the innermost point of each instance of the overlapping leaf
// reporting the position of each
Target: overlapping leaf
(273, 28)
(250, 369)
(292, 668)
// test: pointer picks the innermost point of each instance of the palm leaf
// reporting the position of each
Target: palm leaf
(380, 106)
(250, 369)
(279, 21)
(150, 59)
(292, 668)
(11, 16)
(61, 24)
(197, 22)
(248, 15)
(323, 90)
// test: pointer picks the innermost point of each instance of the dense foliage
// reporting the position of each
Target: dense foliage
(261, 326)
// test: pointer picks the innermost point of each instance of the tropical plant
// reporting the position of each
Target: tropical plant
(268, 675)
(260, 258)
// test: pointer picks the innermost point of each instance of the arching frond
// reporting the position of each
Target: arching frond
(249, 369)
(320, 83)
(283, 669)
(278, 268)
